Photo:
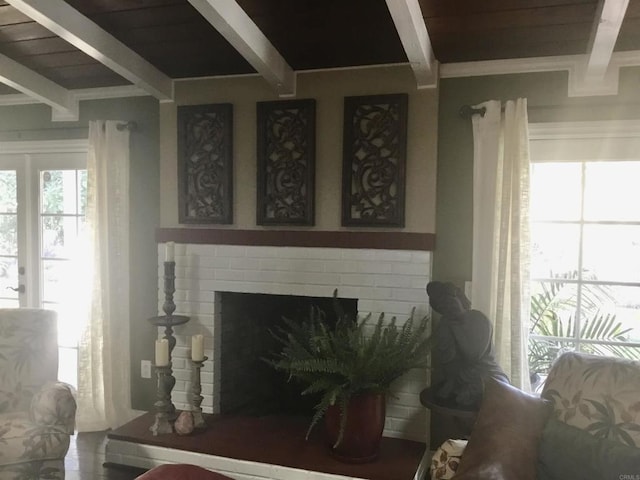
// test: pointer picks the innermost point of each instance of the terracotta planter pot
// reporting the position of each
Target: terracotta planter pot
(363, 432)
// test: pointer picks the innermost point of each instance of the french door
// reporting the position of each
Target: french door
(42, 208)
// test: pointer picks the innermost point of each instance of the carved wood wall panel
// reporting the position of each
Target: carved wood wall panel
(373, 165)
(286, 162)
(205, 168)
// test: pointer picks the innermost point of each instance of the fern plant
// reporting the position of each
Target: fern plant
(350, 358)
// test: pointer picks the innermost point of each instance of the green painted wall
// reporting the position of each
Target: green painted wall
(32, 122)
(547, 99)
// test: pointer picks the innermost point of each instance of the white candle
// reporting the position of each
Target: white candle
(197, 348)
(162, 352)
(169, 252)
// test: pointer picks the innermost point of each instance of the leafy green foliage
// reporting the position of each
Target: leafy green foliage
(346, 360)
(550, 317)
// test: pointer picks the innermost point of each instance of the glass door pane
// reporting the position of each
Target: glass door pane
(9, 279)
(62, 202)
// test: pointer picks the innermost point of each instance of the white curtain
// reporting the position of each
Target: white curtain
(500, 270)
(104, 398)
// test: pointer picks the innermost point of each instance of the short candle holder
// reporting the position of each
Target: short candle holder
(196, 390)
(164, 407)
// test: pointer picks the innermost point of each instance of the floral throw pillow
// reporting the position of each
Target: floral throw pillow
(600, 395)
(446, 459)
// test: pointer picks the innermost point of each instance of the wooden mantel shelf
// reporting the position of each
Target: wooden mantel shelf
(300, 238)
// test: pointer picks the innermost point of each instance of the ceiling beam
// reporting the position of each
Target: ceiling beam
(36, 86)
(604, 34)
(69, 24)
(228, 18)
(412, 30)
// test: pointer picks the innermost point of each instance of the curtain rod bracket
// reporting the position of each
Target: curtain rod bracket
(467, 111)
(130, 125)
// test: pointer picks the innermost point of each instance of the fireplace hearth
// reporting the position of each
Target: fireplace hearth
(255, 448)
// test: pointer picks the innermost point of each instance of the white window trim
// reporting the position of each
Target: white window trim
(584, 140)
(80, 145)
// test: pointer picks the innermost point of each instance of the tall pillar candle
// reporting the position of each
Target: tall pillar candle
(197, 348)
(162, 352)
(170, 252)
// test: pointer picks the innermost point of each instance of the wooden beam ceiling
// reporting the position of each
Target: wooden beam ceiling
(70, 25)
(54, 48)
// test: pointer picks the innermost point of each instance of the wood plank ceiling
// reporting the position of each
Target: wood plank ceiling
(310, 34)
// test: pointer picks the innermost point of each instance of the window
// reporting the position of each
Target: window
(585, 239)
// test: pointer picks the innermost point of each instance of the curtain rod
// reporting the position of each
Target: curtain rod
(467, 111)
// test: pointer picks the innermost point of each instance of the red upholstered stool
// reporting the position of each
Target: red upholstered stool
(180, 472)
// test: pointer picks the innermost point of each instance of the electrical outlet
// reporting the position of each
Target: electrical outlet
(145, 369)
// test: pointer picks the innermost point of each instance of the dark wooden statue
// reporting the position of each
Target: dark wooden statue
(464, 355)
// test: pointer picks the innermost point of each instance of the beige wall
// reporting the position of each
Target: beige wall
(328, 89)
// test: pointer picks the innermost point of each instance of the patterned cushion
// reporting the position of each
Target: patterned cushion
(37, 469)
(54, 405)
(21, 440)
(600, 395)
(446, 459)
(588, 457)
(28, 355)
(36, 413)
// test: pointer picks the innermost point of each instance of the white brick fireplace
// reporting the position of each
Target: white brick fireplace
(390, 281)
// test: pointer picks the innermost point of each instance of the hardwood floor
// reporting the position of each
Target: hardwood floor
(85, 459)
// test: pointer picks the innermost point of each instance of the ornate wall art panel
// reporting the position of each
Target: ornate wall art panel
(205, 168)
(286, 162)
(373, 164)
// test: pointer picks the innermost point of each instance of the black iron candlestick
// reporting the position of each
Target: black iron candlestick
(164, 407)
(196, 390)
(168, 321)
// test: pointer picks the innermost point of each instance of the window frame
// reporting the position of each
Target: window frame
(556, 142)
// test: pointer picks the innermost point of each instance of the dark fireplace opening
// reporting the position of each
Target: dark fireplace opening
(249, 385)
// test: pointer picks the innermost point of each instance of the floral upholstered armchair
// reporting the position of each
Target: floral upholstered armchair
(37, 413)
